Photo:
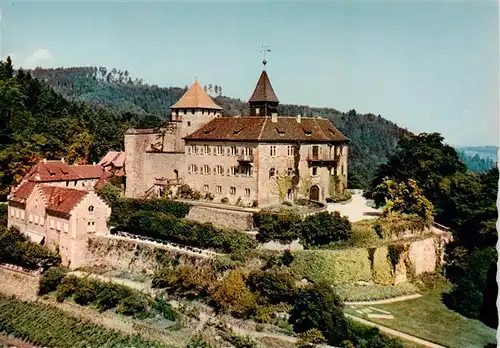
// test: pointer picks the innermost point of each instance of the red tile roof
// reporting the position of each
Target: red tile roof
(196, 98)
(286, 129)
(22, 192)
(115, 158)
(263, 91)
(61, 199)
(46, 171)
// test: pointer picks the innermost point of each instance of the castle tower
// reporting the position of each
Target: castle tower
(263, 101)
(193, 111)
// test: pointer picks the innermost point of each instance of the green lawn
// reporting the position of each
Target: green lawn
(428, 318)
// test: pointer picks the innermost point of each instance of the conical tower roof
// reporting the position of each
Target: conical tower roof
(196, 98)
(263, 91)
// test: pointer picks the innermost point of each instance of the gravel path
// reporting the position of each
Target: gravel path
(385, 301)
(357, 209)
(395, 332)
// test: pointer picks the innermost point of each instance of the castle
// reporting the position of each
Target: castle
(256, 160)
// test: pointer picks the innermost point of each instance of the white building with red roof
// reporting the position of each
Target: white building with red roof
(56, 205)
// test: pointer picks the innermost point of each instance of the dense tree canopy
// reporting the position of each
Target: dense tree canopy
(37, 122)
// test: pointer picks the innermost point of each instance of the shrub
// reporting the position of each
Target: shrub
(198, 342)
(16, 249)
(85, 293)
(3, 214)
(164, 278)
(109, 295)
(310, 339)
(110, 194)
(51, 279)
(273, 287)
(125, 207)
(209, 196)
(324, 228)
(238, 341)
(232, 295)
(224, 200)
(68, 286)
(276, 226)
(165, 309)
(134, 305)
(320, 308)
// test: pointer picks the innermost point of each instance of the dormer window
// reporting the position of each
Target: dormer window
(307, 132)
(281, 132)
(91, 208)
(331, 131)
(238, 131)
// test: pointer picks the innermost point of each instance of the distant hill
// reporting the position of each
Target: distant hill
(480, 160)
(490, 152)
(373, 138)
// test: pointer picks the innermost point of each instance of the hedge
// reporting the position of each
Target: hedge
(332, 266)
(51, 327)
(381, 268)
(125, 207)
(352, 292)
(169, 228)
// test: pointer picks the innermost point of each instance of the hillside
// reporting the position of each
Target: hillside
(476, 161)
(373, 138)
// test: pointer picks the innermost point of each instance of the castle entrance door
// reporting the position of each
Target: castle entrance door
(314, 193)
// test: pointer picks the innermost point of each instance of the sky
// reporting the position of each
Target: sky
(427, 66)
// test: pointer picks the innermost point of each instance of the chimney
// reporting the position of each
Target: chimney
(274, 117)
(44, 160)
(62, 159)
(93, 164)
(298, 118)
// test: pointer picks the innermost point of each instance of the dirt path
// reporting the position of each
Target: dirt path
(385, 301)
(395, 332)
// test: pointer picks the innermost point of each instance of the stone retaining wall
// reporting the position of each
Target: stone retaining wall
(233, 219)
(136, 256)
(23, 284)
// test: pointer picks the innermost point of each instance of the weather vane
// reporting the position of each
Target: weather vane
(264, 51)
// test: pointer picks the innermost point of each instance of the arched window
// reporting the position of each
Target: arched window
(272, 173)
(91, 208)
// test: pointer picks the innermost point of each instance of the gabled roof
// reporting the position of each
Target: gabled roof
(22, 192)
(46, 171)
(196, 98)
(286, 129)
(61, 199)
(263, 91)
(115, 158)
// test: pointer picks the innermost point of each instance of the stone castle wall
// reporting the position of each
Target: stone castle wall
(15, 281)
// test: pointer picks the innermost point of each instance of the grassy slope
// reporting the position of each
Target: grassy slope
(428, 318)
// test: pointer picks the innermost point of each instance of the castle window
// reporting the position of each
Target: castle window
(67, 183)
(247, 170)
(58, 225)
(233, 171)
(314, 171)
(91, 208)
(220, 150)
(247, 192)
(272, 173)
(42, 220)
(289, 150)
(218, 189)
(205, 188)
(341, 170)
(51, 223)
(193, 169)
(248, 150)
(234, 151)
(232, 190)
(202, 150)
(289, 171)
(195, 149)
(273, 150)
(30, 218)
(207, 149)
(189, 148)
(220, 170)
(36, 219)
(206, 170)
(189, 123)
(22, 214)
(192, 111)
(66, 227)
